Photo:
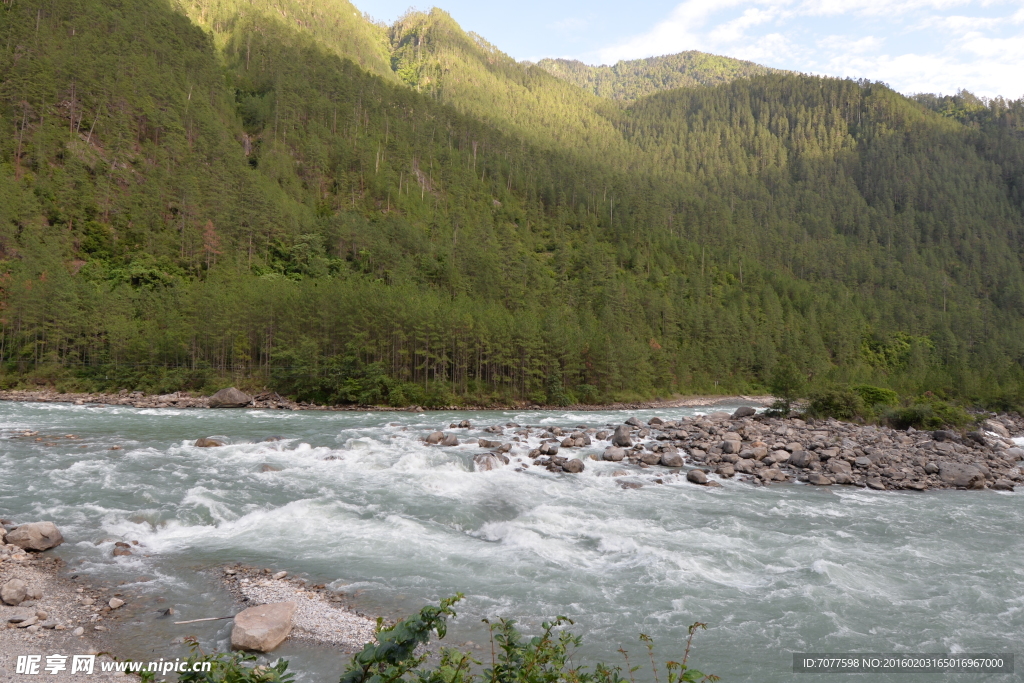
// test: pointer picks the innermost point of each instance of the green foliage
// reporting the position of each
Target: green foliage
(840, 403)
(630, 80)
(545, 658)
(928, 412)
(285, 193)
(394, 654)
(786, 384)
(875, 396)
(231, 667)
(331, 381)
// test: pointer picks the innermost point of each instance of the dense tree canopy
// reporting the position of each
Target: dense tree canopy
(283, 191)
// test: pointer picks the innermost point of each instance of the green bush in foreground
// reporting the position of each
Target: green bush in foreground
(397, 655)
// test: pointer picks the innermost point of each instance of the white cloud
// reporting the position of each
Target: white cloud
(914, 45)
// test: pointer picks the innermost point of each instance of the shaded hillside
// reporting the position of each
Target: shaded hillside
(632, 79)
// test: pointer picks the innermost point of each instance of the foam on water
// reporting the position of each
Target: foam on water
(358, 500)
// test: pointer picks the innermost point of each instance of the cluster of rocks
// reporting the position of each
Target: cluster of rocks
(763, 450)
(284, 606)
(21, 559)
(18, 546)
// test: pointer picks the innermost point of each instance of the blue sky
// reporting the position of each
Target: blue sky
(913, 45)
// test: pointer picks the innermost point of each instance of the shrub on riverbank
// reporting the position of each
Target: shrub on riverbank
(865, 403)
(398, 655)
(927, 412)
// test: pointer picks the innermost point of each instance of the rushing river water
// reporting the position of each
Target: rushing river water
(789, 568)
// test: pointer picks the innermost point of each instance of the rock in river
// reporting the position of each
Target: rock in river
(262, 628)
(671, 460)
(621, 437)
(958, 474)
(573, 466)
(483, 462)
(697, 477)
(613, 453)
(36, 536)
(230, 398)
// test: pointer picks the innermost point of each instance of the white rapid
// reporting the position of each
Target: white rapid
(357, 499)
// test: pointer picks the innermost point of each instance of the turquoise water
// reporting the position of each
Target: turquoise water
(396, 524)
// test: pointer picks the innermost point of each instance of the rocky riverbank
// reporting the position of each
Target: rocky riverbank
(764, 450)
(45, 612)
(268, 400)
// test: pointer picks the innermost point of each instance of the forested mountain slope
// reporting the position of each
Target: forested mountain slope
(635, 78)
(229, 194)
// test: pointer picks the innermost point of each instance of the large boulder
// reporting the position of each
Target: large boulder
(262, 628)
(650, 458)
(434, 438)
(671, 460)
(802, 459)
(731, 446)
(230, 398)
(818, 479)
(743, 411)
(621, 437)
(450, 440)
(633, 422)
(958, 474)
(14, 592)
(484, 462)
(746, 466)
(725, 471)
(613, 453)
(36, 536)
(573, 466)
(697, 477)
(210, 442)
(996, 428)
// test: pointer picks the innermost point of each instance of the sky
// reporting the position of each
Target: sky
(915, 46)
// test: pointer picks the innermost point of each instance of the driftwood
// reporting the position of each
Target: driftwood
(193, 621)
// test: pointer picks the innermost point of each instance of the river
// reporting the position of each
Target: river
(396, 524)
